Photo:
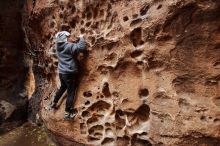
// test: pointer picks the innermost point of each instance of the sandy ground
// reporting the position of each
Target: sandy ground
(26, 135)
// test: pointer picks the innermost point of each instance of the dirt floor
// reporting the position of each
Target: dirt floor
(26, 135)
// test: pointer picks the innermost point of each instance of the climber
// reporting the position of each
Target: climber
(68, 67)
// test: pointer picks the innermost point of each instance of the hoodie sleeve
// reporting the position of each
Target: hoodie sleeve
(79, 47)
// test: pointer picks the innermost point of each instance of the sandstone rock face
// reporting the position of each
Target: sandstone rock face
(152, 75)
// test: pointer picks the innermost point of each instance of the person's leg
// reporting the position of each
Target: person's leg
(61, 90)
(71, 83)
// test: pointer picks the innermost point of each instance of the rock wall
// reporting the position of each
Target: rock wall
(152, 75)
(16, 76)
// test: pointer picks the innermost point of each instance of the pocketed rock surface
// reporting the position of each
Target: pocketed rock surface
(152, 75)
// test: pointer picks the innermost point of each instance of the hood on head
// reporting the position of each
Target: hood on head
(62, 36)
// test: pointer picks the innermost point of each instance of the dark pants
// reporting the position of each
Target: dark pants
(68, 82)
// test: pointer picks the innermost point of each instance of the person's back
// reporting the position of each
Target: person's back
(68, 67)
(67, 54)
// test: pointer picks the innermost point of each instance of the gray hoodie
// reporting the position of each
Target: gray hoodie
(67, 55)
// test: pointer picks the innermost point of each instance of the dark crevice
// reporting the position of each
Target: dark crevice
(136, 37)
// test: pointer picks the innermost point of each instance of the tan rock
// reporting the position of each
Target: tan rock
(152, 74)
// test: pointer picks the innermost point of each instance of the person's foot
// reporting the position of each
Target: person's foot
(69, 115)
(54, 106)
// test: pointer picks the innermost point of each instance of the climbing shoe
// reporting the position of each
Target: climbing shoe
(69, 116)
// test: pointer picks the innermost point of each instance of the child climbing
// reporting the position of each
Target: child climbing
(69, 69)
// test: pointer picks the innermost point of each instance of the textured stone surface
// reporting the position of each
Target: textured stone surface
(16, 77)
(6, 109)
(151, 77)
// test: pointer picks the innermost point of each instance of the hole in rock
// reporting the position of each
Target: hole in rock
(109, 6)
(82, 30)
(56, 63)
(92, 40)
(52, 24)
(135, 22)
(143, 93)
(216, 120)
(153, 64)
(100, 106)
(62, 7)
(98, 135)
(113, 1)
(82, 22)
(107, 141)
(124, 101)
(73, 23)
(119, 112)
(88, 24)
(159, 7)
(65, 27)
(69, 6)
(183, 103)
(139, 63)
(95, 25)
(92, 120)
(143, 10)
(73, 10)
(217, 64)
(143, 133)
(136, 37)
(136, 53)
(111, 45)
(48, 37)
(139, 142)
(120, 123)
(102, 13)
(87, 94)
(95, 12)
(105, 89)
(85, 114)
(88, 8)
(134, 16)
(61, 15)
(143, 112)
(217, 46)
(125, 18)
(107, 124)
(211, 82)
(83, 15)
(180, 80)
(89, 16)
(216, 101)
(92, 138)
(108, 17)
(87, 102)
(203, 118)
(83, 128)
(116, 94)
(123, 141)
(96, 128)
